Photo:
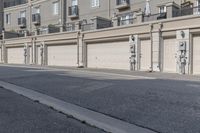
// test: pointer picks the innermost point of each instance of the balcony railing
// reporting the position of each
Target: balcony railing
(122, 4)
(36, 18)
(70, 28)
(154, 17)
(126, 21)
(14, 3)
(73, 11)
(87, 27)
(187, 11)
(22, 22)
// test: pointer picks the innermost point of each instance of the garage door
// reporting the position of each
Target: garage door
(145, 55)
(169, 60)
(111, 55)
(62, 55)
(38, 55)
(196, 55)
(15, 55)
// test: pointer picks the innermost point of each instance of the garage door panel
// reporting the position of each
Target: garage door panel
(15, 55)
(111, 55)
(170, 49)
(145, 55)
(62, 55)
(196, 55)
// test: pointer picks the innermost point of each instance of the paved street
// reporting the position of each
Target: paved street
(165, 103)
(21, 115)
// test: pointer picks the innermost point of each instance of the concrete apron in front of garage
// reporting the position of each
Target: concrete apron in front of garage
(98, 120)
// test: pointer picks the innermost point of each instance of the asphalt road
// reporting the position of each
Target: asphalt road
(163, 105)
(21, 115)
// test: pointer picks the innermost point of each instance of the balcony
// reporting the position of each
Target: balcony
(121, 4)
(187, 11)
(154, 17)
(22, 22)
(73, 12)
(36, 19)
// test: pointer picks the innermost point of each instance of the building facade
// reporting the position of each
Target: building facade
(140, 35)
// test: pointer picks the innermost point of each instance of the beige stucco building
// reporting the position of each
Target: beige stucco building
(140, 35)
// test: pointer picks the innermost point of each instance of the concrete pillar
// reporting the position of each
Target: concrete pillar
(115, 21)
(77, 26)
(183, 54)
(33, 48)
(171, 9)
(3, 48)
(43, 53)
(156, 42)
(80, 49)
(139, 17)
(26, 53)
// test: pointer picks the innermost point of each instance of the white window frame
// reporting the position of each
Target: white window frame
(74, 2)
(95, 3)
(56, 8)
(36, 10)
(8, 18)
(162, 9)
(22, 14)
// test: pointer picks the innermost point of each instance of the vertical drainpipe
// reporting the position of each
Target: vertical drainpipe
(61, 15)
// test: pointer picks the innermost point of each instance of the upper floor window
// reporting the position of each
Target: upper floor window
(94, 3)
(8, 18)
(162, 9)
(36, 10)
(56, 8)
(74, 2)
(22, 14)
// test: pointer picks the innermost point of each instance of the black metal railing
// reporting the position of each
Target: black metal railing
(187, 11)
(125, 21)
(106, 24)
(11, 3)
(36, 18)
(121, 2)
(22, 21)
(70, 28)
(87, 27)
(154, 17)
(73, 10)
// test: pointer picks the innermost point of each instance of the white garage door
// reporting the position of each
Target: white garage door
(111, 55)
(15, 55)
(145, 55)
(62, 55)
(196, 55)
(38, 55)
(170, 49)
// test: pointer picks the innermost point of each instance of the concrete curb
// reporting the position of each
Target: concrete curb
(98, 120)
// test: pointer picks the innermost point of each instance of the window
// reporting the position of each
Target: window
(8, 18)
(162, 9)
(94, 3)
(74, 2)
(22, 14)
(36, 10)
(126, 19)
(56, 8)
